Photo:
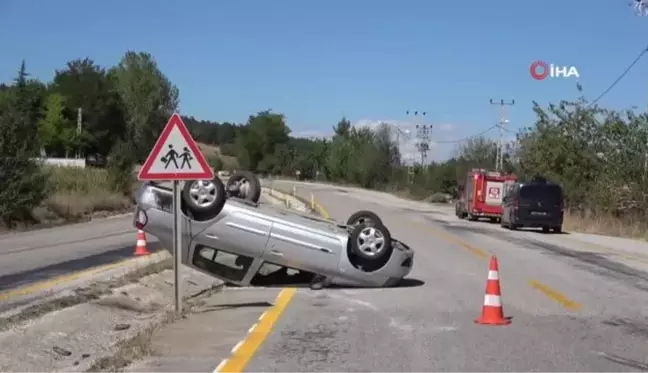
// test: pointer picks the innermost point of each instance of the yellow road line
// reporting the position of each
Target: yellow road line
(243, 352)
(556, 296)
(322, 211)
(481, 253)
(59, 280)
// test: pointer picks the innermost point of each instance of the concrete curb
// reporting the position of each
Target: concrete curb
(16, 300)
(58, 341)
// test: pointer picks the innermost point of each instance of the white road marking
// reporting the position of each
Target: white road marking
(220, 366)
(238, 345)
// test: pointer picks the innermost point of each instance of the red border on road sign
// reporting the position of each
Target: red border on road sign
(145, 172)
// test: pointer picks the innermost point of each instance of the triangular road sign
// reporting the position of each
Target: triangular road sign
(175, 156)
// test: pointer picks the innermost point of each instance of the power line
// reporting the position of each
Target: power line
(467, 137)
(623, 74)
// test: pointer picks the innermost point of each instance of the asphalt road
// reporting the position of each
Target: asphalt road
(575, 306)
(577, 301)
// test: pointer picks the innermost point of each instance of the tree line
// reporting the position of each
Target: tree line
(597, 154)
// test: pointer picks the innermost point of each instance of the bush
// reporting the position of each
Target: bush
(24, 188)
(229, 150)
(439, 198)
(215, 162)
(121, 168)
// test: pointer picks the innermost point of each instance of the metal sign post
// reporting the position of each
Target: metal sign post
(177, 245)
(176, 147)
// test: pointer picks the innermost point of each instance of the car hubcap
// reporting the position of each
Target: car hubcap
(241, 188)
(371, 241)
(203, 193)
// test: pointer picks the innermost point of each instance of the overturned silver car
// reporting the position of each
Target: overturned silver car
(229, 235)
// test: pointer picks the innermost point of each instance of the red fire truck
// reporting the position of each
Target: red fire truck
(482, 193)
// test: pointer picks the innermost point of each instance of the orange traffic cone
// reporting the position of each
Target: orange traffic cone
(492, 312)
(140, 249)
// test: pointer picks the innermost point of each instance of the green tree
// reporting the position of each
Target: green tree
(57, 134)
(260, 138)
(148, 99)
(86, 86)
(24, 185)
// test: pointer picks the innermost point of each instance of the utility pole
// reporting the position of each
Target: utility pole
(499, 158)
(78, 129)
(406, 135)
(422, 134)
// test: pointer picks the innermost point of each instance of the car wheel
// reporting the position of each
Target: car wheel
(364, 217)
(204, 199)
(545, 230)
(244, 184)
(557, 229)
(370, 244)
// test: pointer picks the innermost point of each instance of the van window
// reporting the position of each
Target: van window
(545, 192)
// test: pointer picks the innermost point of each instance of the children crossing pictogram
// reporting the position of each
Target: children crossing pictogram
(175, 156)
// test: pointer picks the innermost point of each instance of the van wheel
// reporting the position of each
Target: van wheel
(370, 244)
(204, 199)
(364, 217)
(245, 185)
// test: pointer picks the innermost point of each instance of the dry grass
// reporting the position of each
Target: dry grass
(606, 225)
(229, 163)
(76, 194)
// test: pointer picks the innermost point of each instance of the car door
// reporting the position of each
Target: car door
(232, 247)
(304, 244)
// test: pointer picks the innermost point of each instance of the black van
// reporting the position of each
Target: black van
(535, 204)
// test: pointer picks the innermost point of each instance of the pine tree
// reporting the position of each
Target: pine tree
(24, 183)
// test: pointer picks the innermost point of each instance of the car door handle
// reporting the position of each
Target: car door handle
(323, 249)
(275, 253)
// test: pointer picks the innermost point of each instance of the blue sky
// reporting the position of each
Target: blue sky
(369, 60)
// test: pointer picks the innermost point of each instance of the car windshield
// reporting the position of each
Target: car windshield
(551, 193)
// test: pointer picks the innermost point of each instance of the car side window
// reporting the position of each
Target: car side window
(222, 263)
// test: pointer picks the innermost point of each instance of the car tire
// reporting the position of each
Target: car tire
(253, 192)
(360, 249)
(557, 229)
(364, 217)
(546, 229)
(204, 200)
